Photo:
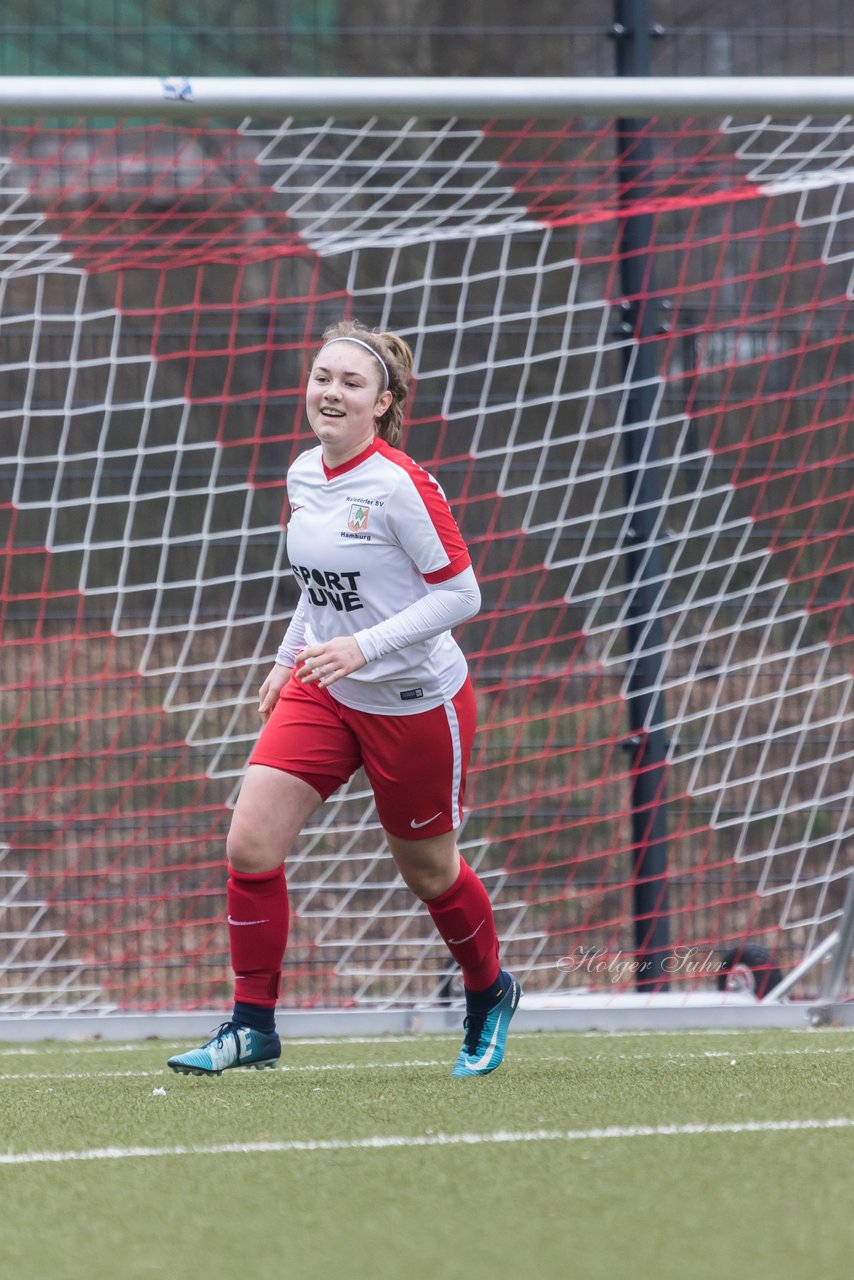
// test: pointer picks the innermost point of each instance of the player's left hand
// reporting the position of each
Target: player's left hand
(323, 664)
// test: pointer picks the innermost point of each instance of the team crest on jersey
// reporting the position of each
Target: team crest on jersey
(358, 518)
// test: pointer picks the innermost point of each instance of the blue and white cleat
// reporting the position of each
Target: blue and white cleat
(232, 1046)
(486, 1035)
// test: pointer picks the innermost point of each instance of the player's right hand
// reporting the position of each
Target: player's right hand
(268, 694)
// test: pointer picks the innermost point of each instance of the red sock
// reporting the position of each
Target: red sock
(258, 934)
(463, 916)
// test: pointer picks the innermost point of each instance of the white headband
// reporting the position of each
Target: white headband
(360, 343)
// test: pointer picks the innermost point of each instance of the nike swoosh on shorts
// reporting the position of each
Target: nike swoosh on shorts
(415, 825)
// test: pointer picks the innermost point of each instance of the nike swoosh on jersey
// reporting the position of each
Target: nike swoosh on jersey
(415, 825)
(243, 923)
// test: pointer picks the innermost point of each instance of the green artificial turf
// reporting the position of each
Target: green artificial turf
(365, 1160)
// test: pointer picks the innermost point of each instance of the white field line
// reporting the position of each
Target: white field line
(402, 1141)
(141, 1046)
(282, 1067)
(723, 1056)
(715, 1053)
(67, 1047)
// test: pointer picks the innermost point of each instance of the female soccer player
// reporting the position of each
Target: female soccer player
(367, 674)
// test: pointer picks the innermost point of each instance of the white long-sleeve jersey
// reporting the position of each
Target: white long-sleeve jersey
(377, 555)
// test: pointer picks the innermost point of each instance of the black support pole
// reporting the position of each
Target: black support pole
(644, 632)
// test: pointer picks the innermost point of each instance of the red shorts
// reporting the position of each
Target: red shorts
(416, 764)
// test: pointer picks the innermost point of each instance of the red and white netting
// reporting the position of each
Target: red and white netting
(161, 292)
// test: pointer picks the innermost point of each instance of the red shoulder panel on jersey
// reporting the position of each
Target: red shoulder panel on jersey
(437, 509)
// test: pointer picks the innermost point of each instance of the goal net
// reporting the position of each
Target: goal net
(162, 288)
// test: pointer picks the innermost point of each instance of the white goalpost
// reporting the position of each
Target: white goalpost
(630, 305)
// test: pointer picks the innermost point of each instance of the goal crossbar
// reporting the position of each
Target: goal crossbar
(633, 345)
(179, 96)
